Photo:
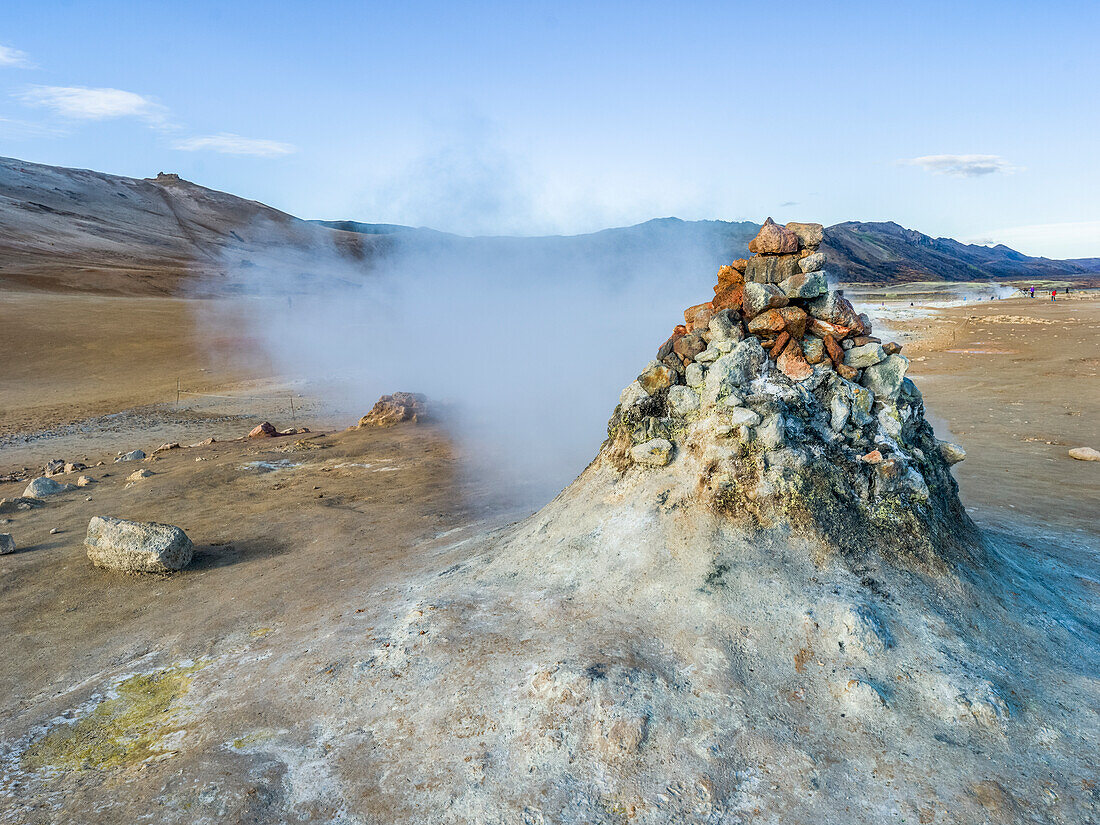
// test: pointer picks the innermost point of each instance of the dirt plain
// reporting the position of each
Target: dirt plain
(288, 531)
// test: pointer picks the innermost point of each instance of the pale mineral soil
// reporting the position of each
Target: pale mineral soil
(322, 535)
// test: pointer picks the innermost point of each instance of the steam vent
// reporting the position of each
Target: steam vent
(782, 409)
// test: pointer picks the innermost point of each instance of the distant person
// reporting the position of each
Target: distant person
(1033, 292)
(1054, 295)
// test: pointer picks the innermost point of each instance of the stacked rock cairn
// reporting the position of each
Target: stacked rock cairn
(786, 407)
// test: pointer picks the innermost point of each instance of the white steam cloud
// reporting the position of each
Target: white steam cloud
(527, 342)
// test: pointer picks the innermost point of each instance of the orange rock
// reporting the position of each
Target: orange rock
(846, 372)
(780, 343)
(822, 328)
(265, 430)
(698, 316)
(873, 457)
(729, 275)
(836, 352)
(770, 321)
(774, 239)
(795, 319)
(740, 264)
(793, 363)
(728, 297)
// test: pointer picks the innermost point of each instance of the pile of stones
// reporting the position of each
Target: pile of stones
(784, 405)
(399, 408)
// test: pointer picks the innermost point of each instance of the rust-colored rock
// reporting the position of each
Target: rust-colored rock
(824, 328)
(810, 235)
(770, 321)
(892, 348)
(779, 343)
(846, 372)
(774, 239)
(835, 350)
(795, 319)
(730, 274)
(396, 409)
(873, 457)
(264, 430)
(729, 297)
(688, 346)
(740, 264)
(793, 364)
(698, 316)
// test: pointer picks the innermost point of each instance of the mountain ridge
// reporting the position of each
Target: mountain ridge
(87, 231)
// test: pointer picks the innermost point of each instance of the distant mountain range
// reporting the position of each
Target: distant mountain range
(78, 230)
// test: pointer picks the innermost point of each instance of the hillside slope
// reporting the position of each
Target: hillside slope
(79, 230)
(74, 229)
(885, 251)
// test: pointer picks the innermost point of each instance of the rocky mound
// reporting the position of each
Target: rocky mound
(398, 408)
(775, 404)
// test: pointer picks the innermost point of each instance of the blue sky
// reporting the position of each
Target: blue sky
(974, 120)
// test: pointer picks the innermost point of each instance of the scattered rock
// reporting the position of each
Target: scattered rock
(804, 286)
(1084, 454)
(885, 378)
(834, 309)
(401, 407)
(7, 544)
(138, 475)
(698, 316)
(84, 481)
(812, 263)
(657, 377)
(55, 530)
(864, 356)
(12, 505)
(810, 235)
(891, 348)
(793, 363)
(165, 447)
(656, 452)
(204, 443)
(771, 269)
(682, 401)
(135, 455)
(136, 546)
(762, 297)
(42, 487)
(773, 239)
(953, 453)
(53, 468)
(264, 430)
(814, 349)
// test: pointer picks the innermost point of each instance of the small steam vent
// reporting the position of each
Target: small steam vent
(775, 403)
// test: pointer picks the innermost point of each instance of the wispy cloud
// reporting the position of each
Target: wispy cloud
(230, 144)
(789, 203)
(1073, 239)
(13, 57)
(82, 103)
(962, 166)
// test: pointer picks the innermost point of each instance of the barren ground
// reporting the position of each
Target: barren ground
(290, 531)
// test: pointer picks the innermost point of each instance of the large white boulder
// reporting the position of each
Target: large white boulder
(137, 546)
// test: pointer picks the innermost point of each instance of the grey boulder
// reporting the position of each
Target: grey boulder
(812, 263)
(758, 298)
(885, 378)
(7, 544)
(42, 487)
(135, 455)
(865, 356)
(137, 546)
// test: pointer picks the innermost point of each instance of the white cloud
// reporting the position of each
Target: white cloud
(230, 144)
(963, 166)
(13, 57)
(81, 103)
(1075, 239)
